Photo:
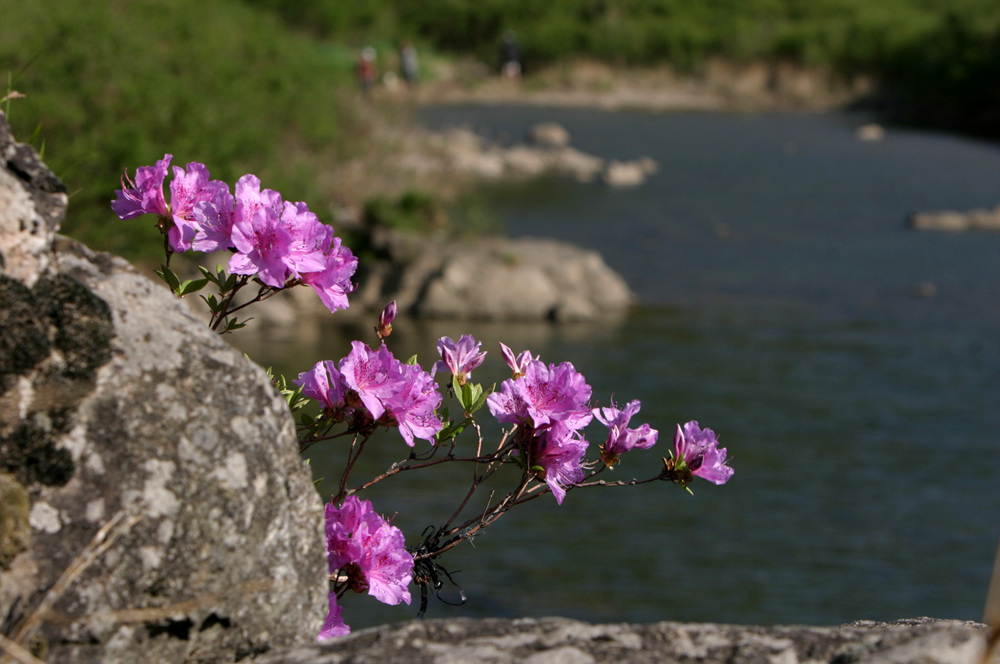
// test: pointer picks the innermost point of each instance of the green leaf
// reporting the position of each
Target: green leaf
(470, 395)
(212, 302)
(191, 286)
(452, 430)
(479, 398)
(233, 324)
(412, 360)
(168, 276)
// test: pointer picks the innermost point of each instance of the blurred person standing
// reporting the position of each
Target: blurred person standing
(510, 56)
(366, 70)
(408, 67)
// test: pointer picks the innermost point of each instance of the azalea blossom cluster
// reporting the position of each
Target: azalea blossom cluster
(549, 406)
(373, 387)
(365, 553)
(279, 242)
(543, 409)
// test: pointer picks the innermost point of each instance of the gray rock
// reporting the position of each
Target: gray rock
(623, 174)
(121, 413)
(493, 278)
(980, 219)
(548, 134)
(562, 641)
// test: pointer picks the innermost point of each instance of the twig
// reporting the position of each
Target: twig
(18, 652)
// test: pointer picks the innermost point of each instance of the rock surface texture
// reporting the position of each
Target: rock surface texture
(155, 506)
(562, 641)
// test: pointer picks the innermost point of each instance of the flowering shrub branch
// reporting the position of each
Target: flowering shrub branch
(275, 245)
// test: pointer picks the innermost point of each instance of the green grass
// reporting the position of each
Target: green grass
(115, 85)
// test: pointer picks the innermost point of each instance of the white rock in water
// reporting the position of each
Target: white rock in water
(870, 132)
(549, 134)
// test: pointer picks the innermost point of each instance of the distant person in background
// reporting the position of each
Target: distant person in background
(366, 70)
(408, 62)
(510, 56)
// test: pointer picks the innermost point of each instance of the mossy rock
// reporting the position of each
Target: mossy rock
(15, 532)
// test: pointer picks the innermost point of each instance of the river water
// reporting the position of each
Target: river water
(850, 365)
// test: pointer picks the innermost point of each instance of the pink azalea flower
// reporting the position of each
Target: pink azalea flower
(698, 450)
(621, 439)
(459, 358)
(145, 195)
(369, 550)
(372, 374)
(310, 239)
(544, 395)
(261, 239)
(348, 526)
(213, 221)
(559, 452)
(188, 190)
(324, 384)
(334, 625)
(332, 283)
(413, 404)
(387, 565)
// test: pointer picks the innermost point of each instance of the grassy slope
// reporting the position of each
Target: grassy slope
(115, 85)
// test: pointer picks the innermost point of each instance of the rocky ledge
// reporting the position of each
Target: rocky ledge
(563, 641)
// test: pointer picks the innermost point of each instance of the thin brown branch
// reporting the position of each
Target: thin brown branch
(18, 652)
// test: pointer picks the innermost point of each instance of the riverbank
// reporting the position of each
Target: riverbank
(718, 85)
(404, 156)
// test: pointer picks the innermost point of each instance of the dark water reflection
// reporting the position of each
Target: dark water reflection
(862, 420)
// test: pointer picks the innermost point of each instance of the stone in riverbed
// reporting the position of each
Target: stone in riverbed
(548, 134)
(980, 219)
(494, 279)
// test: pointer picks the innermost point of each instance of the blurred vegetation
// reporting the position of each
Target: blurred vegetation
(267, 86)
(418, 210)
(874, 35)
(114, 85)
(938, 59)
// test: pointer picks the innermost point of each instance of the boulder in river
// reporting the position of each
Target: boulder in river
(492, 278)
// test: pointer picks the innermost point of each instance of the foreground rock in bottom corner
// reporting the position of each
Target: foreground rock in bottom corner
(563, 641)
(115, 400)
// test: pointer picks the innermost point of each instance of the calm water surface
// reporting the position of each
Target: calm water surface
(781, 306)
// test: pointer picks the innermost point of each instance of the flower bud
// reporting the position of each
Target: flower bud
(385, 319)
